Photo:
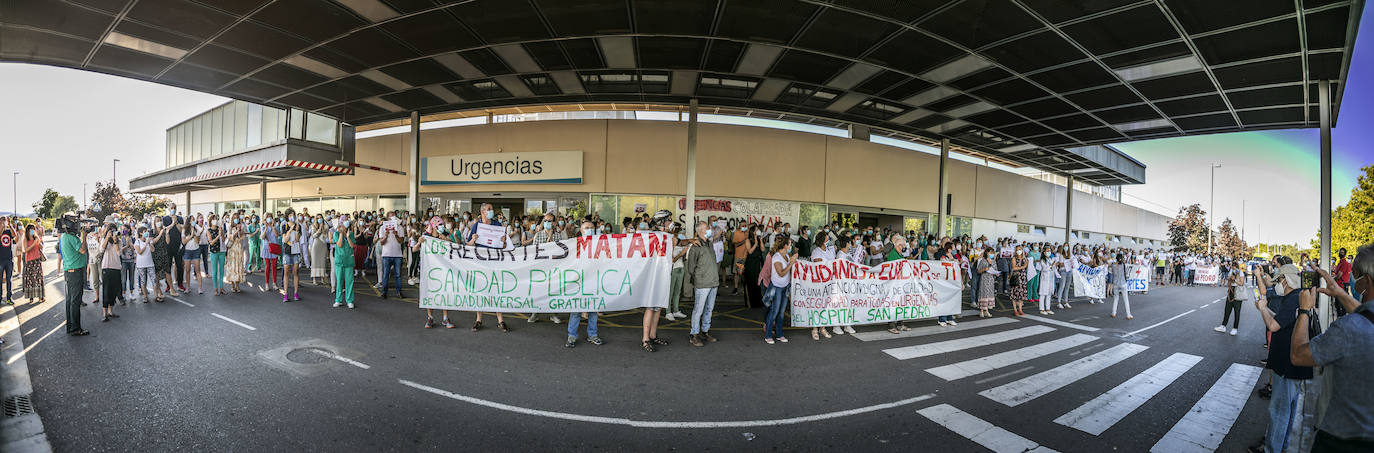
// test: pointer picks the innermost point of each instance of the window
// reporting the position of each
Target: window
(1023, 229)
(240, 125)
(297, 123)
(541, 85)
(1039, 231)
(254, 127)
(321, 129)
(879, 110)
(713, 85)
(626, 82)
(807, 95)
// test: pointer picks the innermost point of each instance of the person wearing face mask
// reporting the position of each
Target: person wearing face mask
(235, 254)
(740, 241)
(1046, 273)
(543, 234)
(293, 246)
(488, 217)
(392, 244)
(702, 279)
(1343, 350)
(987, 282)
(1017, 281)
(254, 257)
(126, 264)
(574, 319)
(32, 253)
(215, 233)
(781, 260)
(319, 252)
(343, 239)
(1280, 307)
(204, 243)
(112, 284)
(270, 251)
(753, 265)
(680, 248)
(143, 264)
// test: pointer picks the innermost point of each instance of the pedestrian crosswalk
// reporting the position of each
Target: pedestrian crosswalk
(1090, 352)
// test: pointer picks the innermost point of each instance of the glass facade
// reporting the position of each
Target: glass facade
(239, 125)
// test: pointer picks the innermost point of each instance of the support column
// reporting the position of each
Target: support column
(262, 198)
(943, 190)
(188, 202)
(1068, 213)
(1326, 315)
(690, 224)
(413, 172)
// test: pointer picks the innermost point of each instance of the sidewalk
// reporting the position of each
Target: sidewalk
(21, 430)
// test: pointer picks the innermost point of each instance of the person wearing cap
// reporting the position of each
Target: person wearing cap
(1343, 350)
(1290, 380)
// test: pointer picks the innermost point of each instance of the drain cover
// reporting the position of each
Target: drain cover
(18, 405)
(309, 355)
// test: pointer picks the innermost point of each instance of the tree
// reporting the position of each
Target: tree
(1188, 230)
(106, 200)
(1350, 224)
(43, 208)
(138, 205)
(65, 204)
(1229, 242)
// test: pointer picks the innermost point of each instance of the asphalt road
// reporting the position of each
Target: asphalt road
(309, 377)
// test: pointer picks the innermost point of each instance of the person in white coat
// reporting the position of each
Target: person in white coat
(1047, 268)
(1118, 273)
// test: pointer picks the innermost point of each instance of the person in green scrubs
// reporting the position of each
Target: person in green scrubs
(343, 239)
(254, 246)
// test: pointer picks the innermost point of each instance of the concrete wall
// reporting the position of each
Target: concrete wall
(649, 157)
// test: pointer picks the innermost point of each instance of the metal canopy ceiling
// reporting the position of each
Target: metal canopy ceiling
(1022, 80)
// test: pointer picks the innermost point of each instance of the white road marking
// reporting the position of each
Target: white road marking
(1061, 323)
(985, 364)
(1040, 384)
(226, 318)
(878, 335)
(662, 424)
(911, 352)
(979, 431)
(188, 304)
(341, 358)
(1089, 348)
(1107, 409)
(1202, 429)
(1204, 305)
(1180, 315)
(1000, 376)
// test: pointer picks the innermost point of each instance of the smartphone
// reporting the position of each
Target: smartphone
(1310, 279)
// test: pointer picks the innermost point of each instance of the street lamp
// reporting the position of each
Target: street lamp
(114, 169)
(1211, 207)
(15, 193)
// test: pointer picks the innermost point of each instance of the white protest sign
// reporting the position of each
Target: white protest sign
(1090, 282)
(1008, 251)
(609, 272)
(1137, 278)
(389, 226)
(838, 292)
(491, 235)
(1207, 275)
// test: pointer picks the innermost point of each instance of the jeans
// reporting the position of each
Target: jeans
(701, 310)
(574, 320)
(217, 270)
(1062, 288)
(1121, 295)
(675, 290)
(777, 302)
(1285, 414)
(1190, 277)
(344, 293)
(204, 252)
(391, 273)
(76, 283)
(129, 275)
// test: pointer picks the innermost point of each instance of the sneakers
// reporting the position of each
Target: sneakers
(296, 296)
(1233, 332)
(555, 319)
(1220, 328)
(679, 315)
(768, 340)
(447, 324)
(850, 330)
(284, 298)
(596, 341)
(532, 317)
(350, 306)
(942, 324)
(429, 323)
(338, 304)
(695, 340)
(838, 330)
(572, 342)
(411, 281)
(952, 323)
(669, 317)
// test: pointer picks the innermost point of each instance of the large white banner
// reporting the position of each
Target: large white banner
(609, 272)
(1137, 278)
(838, 292)
(1207, 275)
(1090, 282)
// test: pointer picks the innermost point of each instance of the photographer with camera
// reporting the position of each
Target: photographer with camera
(73, 247)
(1344, 350)
(1290, 379)
(111, 270)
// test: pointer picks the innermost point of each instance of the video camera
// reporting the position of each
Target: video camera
(71, 224)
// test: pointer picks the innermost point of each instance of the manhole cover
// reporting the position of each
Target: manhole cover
(309, 355)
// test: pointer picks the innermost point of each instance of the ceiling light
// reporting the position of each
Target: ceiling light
(757, 59)
(1140, 125)
(315, 66)
(856, 73)
(373, 10)
(1161, 68)
(129, 42)
(956, 69)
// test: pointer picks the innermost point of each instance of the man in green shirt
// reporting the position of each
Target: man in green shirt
(74, 270)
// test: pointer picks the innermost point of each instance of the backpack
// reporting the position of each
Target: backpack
(766, 276)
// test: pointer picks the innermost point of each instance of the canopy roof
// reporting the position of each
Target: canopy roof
(1024, 81)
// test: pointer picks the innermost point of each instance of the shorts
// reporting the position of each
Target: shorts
(191, 254)
(290, 260)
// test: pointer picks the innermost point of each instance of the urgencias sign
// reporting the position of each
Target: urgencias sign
(547, 167)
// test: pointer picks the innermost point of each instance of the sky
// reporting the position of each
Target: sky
(60, 128)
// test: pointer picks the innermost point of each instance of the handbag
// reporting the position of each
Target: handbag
(274, 248)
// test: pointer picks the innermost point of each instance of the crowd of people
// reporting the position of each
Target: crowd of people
(125, 260)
